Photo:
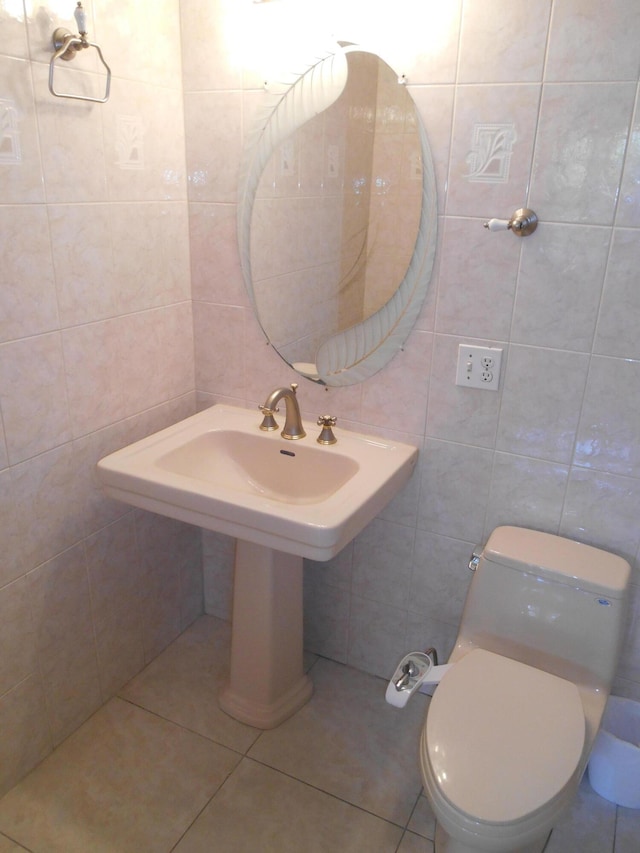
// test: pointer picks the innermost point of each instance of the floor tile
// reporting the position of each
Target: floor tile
(259, 809)
(412, 843)
(349, 742)
(7, 846)
(627, 831)
(342, 774)
(183, 682)
(423, 821)
(588, 826)
(126, 782)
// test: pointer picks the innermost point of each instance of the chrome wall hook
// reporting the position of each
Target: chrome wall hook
(66, 46)
(523, 222)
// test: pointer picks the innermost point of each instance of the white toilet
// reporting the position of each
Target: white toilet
(511, 725)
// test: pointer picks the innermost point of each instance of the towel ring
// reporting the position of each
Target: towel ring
(66, 46)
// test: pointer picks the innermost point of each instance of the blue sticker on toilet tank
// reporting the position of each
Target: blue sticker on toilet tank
(604, 601)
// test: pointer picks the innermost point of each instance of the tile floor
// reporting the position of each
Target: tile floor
(161, 768)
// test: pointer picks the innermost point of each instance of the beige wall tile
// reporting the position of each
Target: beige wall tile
(26, 739)
(511, 52)
(27, 293)
(589, 41)
(21, 172)
(107, 260)
(13, 526)
(59, 594)
(33, 397)
(17, 638)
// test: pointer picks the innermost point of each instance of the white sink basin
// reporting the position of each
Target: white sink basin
(249, 464)
(218, 470)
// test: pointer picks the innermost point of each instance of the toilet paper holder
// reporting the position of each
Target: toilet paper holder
(523, 222)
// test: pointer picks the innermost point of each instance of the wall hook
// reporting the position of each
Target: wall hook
(523, 222)
(67, 45)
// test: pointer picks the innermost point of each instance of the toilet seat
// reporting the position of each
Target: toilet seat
(502, 738)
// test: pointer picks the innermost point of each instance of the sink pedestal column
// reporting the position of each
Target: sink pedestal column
(267, 682)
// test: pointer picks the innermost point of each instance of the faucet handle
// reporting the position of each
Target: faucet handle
(326, 435)
(268, 422)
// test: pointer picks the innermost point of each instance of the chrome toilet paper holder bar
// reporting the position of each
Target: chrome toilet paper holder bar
(523, 222)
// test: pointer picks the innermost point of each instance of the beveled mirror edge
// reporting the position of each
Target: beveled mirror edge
(359, 352)
(362, 350)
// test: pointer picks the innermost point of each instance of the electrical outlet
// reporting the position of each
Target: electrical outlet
(479, 367)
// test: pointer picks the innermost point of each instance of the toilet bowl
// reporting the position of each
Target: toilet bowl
(493, 724)
(511, 724)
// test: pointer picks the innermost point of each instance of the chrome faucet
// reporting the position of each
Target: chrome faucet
(293, 422)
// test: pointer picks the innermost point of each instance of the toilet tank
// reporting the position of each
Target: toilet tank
(550, 602)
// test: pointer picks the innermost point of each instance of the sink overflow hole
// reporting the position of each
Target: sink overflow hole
(287, 453)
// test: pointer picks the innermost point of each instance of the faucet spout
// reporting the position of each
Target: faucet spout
(293, 428)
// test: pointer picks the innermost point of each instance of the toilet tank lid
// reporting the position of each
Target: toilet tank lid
(563, 560)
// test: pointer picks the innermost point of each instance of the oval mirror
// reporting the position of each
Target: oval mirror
(337, 218)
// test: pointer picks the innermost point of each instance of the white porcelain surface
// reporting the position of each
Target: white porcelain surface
(218, 470)
(500, 779)
(530, 725)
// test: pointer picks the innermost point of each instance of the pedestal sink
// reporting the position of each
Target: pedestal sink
(283, 501)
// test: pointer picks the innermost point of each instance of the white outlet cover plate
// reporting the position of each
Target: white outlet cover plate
(479, 367)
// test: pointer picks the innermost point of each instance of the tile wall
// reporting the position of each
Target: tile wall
(96, 349)
(553, 94)
(98, 324)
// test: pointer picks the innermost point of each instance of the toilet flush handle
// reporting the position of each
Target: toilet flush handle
(474, 560)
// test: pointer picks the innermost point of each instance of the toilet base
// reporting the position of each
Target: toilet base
(445, 844)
